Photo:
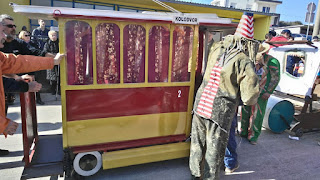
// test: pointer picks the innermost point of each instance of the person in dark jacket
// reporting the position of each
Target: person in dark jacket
(40, 34)
(52, 46)
(25, 36)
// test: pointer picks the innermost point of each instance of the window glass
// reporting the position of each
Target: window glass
(84, 6)
(158, 61)
(104, 7)
(55, 23)
(266, 9)
(182, 53)
(79, 53)
(62, 4)
(108, 53)
(127, 10)
(134, 53)
(295, 63)
(40, 2)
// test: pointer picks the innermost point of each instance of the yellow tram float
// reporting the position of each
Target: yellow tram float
(127, 88)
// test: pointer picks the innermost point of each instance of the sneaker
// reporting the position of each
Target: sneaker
(3, 152)
(228, 170)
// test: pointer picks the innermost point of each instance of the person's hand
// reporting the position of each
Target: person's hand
(58, 58)
(49, 55)
(27, 78)
(34, 86)
(18, 78)
(11, 128)
(265, 96)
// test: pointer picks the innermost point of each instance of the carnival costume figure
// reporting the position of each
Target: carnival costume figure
(229, 74)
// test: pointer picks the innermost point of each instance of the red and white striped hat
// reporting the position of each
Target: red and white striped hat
(245, 26)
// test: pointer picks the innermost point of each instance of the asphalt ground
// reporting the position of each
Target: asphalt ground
(276, 156)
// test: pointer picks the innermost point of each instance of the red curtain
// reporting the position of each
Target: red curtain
(182, 53)
(108, 53)
(159, 42)
(79, 53)
(134, 53)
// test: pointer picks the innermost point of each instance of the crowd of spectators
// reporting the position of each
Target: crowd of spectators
(27, 67)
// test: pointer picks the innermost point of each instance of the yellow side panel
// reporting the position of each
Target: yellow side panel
(144, 155)
(96, 131)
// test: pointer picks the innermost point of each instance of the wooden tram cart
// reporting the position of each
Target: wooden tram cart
(127, 88)
(299, 88)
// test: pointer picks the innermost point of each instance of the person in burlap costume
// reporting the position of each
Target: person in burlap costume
(229, 75)
(268, 70)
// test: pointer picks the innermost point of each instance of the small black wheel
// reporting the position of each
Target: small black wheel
(88, 163)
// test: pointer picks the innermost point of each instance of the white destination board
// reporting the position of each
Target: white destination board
(184, 20)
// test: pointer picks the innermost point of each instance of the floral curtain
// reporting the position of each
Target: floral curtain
(182, 53)
(79, 53)
(108, 53)
(134, 53)
(159, 42)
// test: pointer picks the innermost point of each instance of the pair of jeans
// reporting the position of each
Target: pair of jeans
(230, 158)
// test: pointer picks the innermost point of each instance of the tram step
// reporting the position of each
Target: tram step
(143, 155)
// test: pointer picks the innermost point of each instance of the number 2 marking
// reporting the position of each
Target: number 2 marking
(179, 93)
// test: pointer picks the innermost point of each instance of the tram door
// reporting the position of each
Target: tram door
(126, 81)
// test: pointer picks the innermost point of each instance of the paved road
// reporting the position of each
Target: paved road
(274, 157)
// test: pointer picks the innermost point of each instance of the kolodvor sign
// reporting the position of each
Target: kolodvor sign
(185, 20)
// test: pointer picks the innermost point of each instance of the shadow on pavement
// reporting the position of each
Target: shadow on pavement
(13, 154)
(13, 164)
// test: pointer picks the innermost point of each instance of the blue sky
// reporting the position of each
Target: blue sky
(289, 10)
(294, 10)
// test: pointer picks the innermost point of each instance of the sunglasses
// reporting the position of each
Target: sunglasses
(26, 35)
(11, 25)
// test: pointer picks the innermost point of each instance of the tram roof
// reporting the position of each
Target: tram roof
(50, 13)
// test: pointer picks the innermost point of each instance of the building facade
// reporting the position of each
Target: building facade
(265, 6)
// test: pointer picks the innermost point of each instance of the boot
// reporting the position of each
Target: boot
(39, 101)
(53, 87)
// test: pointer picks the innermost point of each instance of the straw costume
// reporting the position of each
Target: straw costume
(229, 75)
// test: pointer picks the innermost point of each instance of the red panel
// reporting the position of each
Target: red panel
(129, 144)
(29, 125)
(105, 103)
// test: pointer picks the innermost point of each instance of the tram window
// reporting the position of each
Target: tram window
(182, 53)
(79, 53)
(158, 61)
(108, 53)
(134, 53)
(295, 63)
